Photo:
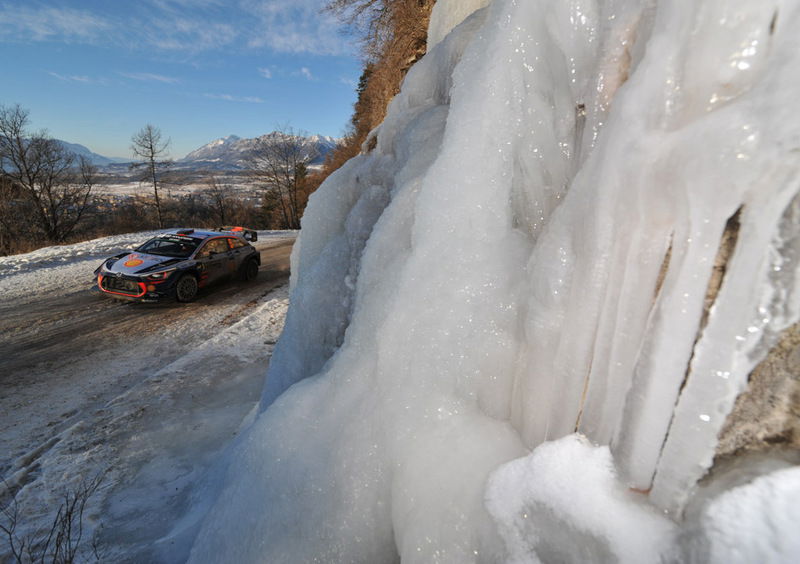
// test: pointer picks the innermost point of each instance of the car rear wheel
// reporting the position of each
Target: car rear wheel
(186, 288)
(250, 270)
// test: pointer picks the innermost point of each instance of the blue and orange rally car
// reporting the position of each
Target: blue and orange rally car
(175, 264)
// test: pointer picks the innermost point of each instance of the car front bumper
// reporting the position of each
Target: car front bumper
(135, 289)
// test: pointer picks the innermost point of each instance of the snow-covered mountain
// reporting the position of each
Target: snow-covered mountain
(220, 149)
(227, 153)
(230, 153)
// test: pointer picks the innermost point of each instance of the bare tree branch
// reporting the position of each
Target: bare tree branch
(54, 186)
(279, 161)
(61, 542)
(148, 146)
(219, 194)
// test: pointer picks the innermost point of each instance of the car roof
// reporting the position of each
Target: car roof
(201, 234)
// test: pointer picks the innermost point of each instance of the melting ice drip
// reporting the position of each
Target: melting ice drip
(528, 253)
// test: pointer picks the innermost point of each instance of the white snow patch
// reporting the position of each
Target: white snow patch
(564, 503)
(152, 443)
(61, 255)
(756, 522)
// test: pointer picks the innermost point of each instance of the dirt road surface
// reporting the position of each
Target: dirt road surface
(71, 360)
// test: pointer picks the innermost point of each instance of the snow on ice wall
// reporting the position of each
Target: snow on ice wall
(526, 255)
(447, 14)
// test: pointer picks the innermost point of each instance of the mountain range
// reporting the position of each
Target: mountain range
(225, 154)
(230, 153)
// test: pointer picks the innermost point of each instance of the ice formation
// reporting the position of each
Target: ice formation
(529, 252)
(749, 523)
(447, 14)
(575, 510)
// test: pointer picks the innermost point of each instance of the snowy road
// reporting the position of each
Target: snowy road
(144, 395)
(77, 321)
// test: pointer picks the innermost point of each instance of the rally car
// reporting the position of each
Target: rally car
(175, 264)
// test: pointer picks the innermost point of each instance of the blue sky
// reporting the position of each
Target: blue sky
(96, 71)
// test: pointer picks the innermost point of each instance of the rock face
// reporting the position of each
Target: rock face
(767, 414)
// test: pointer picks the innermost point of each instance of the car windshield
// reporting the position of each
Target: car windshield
(170, 246)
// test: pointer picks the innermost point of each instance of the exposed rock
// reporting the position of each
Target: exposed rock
(768, 412)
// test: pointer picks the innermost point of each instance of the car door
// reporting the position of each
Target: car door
(239, 250)
(215, 259)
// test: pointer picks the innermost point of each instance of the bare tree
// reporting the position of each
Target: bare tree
(53, 185)
(148, 146)
(370, 19)
(219, 194)
(280, 161)
(380, 23)
(11, 224)
(393, 36)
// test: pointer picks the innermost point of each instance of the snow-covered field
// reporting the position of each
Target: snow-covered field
(127, 189)
(145, 402)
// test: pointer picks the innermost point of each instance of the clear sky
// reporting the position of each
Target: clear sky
(94, 72)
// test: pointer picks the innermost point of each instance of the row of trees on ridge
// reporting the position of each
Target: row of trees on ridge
(46, 192)
(278, 164)
(49, 195)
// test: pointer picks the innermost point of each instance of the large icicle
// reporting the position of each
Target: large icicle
(738, 122)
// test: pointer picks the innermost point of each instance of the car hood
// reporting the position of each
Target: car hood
(141, 263)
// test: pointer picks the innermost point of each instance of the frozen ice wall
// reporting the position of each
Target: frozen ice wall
(579, 217)
(446, 14)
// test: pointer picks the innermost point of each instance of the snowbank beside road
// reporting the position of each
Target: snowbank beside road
(66, 268)
(62, 255)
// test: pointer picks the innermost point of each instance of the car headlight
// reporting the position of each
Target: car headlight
(160, 275)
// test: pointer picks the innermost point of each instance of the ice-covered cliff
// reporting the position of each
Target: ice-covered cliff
(518, 324)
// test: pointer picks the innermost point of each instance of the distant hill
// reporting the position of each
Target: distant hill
(94, 158)
(230, 153)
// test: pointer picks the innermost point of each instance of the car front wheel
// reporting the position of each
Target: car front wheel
(186, 288)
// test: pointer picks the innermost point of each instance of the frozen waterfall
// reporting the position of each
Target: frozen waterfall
(518, 324)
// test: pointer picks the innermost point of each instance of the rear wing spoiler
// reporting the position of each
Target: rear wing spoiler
(248, 234)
